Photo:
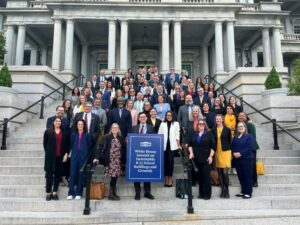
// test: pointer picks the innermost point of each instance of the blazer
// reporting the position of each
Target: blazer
(244, 146)
(200, 103)
(202, 150)
(209, 119)
(115, 83)
(161, 111)
(156, 125)
(174, 134)
(94, 127)
(95, 88)
(183, 115)
(136, 129)
(225, 138)
(103, 150)
(85, 146)
(49, 143)
(124, 122)
(102, 117)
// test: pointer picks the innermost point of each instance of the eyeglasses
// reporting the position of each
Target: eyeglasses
(169, 115)
(201, 124)
(241, 126)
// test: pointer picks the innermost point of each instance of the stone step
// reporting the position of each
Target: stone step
(279, 169)
(25, 146)
(34, 191)
(146, 217)
(22, 153)
(21, 170)
(40, 179)
(278, 153)
(22, 161)
(129, 204)
(279, 160)
(24, 140)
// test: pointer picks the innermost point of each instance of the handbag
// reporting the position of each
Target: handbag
(181, 188)
(97, 190)
(214, 176)
(260, 168)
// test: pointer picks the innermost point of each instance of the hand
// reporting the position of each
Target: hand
(209, 160)
(192, 155)
(179, 147)
(95, 161)
(237, 155)
(65, 158)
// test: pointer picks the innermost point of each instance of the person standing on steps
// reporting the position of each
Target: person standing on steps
(111, 153)
(242, 150)
(222, 135)
(81, 145)
(143, 128)
(56, 148)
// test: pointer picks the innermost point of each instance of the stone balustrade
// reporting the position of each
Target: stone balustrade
(251, 7)
(291, 37)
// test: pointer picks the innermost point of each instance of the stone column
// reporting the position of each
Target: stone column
(230, 46)
(250, 1)
(9, 45)
(33, 56)
(20, 45)
(177, 46)
(205, 62)
(277, 48)
(124, 46)
(44, 55)
(165, 46)
(219, 47)
(56, 44)
(84, 59)
(69, 45)
(266, 47)
(254, 58)
(111, 44)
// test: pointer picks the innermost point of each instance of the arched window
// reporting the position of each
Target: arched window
(297, 26)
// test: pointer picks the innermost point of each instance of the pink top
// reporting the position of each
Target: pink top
(79, 139)
(134, 117)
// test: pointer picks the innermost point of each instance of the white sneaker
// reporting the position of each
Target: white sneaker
(78, 197)
(70, 197)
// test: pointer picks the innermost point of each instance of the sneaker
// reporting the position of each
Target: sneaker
(70, 197)
(234, 171)
(78, 197)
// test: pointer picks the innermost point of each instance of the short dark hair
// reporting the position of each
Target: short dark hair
(58, 107)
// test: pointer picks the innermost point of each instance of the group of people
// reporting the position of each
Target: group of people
(94, 122)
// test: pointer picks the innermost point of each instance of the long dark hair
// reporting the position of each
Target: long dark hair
(52, 129)
(173, 117)
(84, 125)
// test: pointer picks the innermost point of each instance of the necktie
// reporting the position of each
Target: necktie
(190, 113)
(86, 122)
(120, 113)
(142, 130)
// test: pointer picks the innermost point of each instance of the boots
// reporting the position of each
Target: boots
(221, 183)
(112, 194)
(222, 195)
(226, 183)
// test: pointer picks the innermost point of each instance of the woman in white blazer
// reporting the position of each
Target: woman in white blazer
(171, 131)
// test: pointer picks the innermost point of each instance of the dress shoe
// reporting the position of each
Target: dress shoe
(206, 198)
(246, 196)
(48, 197)
(255, 184)
(149, 196)
(137, 197)
(239, 195)
(55, 197)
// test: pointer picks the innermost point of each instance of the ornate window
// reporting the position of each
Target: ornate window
(297, 26)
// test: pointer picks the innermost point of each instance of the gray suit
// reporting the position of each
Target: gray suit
(183, 115)
(102, 115)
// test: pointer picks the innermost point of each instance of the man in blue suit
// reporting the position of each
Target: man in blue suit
(170, 79)
(115, 80)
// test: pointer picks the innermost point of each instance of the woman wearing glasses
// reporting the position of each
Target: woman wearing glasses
(202, 148)
(242, 150)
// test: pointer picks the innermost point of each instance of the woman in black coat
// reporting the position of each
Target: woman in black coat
(56, 153)
(202, 148)
(111, 153)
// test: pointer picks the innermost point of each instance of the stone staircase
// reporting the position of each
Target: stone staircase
(22, 191)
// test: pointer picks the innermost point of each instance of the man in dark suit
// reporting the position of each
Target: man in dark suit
(170, 79)
(121, 116)
(92, 121)
(59, 113)
(115, 80)
(95, 85)
(200, 98)
(143, 128)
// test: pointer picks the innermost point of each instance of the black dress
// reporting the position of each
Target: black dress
(169, 157)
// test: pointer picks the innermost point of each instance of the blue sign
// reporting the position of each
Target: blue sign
(145, 158)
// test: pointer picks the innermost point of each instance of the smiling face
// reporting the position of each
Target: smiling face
(57, 123)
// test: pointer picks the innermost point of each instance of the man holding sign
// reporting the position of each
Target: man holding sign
(143, 128)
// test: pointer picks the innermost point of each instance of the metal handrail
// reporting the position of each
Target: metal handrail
(273, 121)
(6, 120)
